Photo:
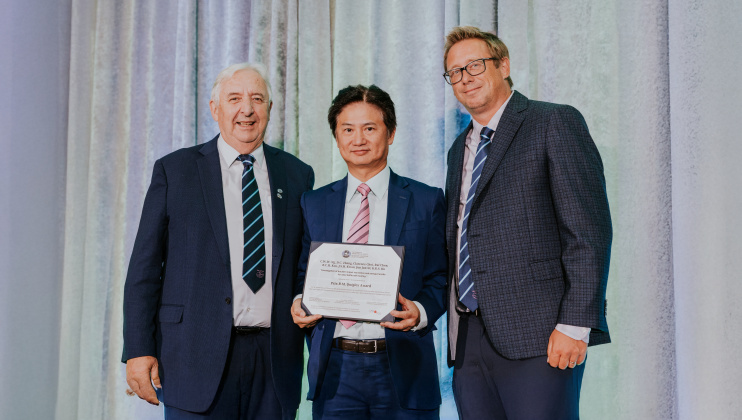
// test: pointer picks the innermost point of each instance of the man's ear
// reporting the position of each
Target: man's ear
(505, 67)
(212, 107)
(391, 137)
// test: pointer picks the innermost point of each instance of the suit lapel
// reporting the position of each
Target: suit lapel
(335, 210)
(279, 188)
(398, 198)
(209, 171)
(509, 124)
(453, 184)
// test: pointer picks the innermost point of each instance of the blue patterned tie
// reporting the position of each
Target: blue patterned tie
(253, 264)
(467, 292)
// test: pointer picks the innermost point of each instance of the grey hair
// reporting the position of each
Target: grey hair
(234, 68)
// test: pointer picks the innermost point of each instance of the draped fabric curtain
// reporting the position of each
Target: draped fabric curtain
(140, 81)
(611, 62)
(654, 81)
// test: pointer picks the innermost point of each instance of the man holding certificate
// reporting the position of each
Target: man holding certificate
(360, 369)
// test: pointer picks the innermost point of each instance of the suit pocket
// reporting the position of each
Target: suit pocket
(546, 270)
(171, 313)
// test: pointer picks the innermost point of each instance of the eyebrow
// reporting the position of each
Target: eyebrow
(361, 123)
(467, 63)
(240, 94)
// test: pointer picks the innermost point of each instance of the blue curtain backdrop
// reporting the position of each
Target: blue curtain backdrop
(98, 90)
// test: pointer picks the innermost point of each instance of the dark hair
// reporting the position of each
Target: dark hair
(373, 95)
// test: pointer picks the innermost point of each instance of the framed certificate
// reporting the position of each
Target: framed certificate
(357, 282)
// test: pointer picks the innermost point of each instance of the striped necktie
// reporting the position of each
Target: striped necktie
(358, 233)
(467, 292)
(253, 264)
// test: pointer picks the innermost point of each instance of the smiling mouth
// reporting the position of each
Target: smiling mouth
(246, 123)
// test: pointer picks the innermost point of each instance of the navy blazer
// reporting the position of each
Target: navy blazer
(415, 219)
(178, 292)
(539, 228)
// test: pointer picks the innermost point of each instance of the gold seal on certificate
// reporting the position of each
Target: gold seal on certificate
(352, 281)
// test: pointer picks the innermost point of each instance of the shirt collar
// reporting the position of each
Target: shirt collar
(492, 124)
(228, 154)
(379, 184)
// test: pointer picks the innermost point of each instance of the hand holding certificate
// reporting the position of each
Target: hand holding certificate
(353, 281)
(409, 316)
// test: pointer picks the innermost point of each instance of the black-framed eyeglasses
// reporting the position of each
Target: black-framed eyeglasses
(474, 68)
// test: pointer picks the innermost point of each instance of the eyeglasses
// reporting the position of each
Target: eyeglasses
(474, 68)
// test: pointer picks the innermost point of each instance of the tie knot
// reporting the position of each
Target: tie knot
(486, 133)
(246, 160)
(363, 189)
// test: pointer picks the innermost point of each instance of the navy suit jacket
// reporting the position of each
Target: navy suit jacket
(539, 228)
(415, 219)
(178, 293)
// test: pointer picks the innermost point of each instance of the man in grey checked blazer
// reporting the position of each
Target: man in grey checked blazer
(534, 240)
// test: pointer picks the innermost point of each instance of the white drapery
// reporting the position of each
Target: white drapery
(655, 81)
(141, 75)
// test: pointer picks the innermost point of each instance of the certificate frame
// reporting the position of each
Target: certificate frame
(350, 252)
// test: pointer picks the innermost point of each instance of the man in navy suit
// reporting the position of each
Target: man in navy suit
(368, 370)
(209, 289)
(529, 238)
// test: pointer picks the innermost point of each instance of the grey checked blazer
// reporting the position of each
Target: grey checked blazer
(539, 229)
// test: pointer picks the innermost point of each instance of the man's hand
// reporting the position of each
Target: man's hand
(141, 374)
(409, 314)
(300, 317)
(564, 351)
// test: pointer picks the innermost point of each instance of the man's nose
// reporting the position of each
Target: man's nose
(465, 76)
(358, 137)
(246, 107)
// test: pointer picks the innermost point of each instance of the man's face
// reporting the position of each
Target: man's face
(243, 111)
(362, 138)
(481, 95)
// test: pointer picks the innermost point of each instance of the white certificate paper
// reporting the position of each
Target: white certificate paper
(352, 281)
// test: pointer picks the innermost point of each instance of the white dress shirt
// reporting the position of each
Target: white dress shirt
(377, 205)
(248, 308)
(472, 143)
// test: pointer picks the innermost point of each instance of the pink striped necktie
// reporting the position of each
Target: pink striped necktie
(358, 233)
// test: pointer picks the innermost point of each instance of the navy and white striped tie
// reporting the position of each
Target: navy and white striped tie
(467, 291)
(253, 264)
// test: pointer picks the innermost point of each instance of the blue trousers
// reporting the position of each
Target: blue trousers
(246, 390)
(359, 386)
(489, 386)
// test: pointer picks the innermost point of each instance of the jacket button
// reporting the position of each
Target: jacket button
(228, 300)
